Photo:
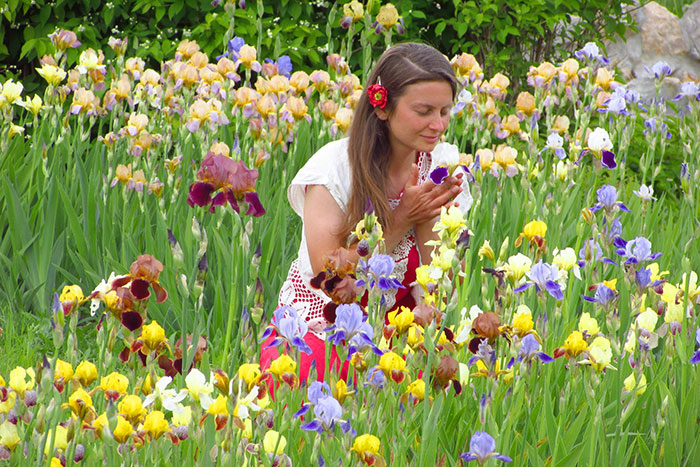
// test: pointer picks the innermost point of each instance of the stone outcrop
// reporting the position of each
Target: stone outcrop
(661, 36)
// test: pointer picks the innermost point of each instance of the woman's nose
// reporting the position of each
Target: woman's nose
(438, 123)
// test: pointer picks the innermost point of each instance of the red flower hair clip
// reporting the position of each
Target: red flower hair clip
(377, 95)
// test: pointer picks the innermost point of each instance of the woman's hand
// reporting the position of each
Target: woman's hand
(422, 203)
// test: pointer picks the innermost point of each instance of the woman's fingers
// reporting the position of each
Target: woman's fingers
(413, 178)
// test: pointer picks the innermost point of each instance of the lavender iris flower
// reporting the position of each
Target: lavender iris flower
(328, 412)
(614, 231)
(643, 278)
(650, 126)
(290, 329)
(379, 270)
(617, 104)
(284, 65)
(543, 276)
(603, 295)
(688, 89)
(530, 347)
(636, 250)
(660, 69)
(234, 47)
(351, 327)
(482, 447)
(485, 353)
(591, 52)
(607, 199)
(696, 356)
(376, 378)
(315, 392)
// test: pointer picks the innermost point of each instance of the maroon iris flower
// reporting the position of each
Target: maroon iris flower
(222, 180)
(143, 274)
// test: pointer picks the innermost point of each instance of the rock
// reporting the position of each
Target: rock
(661, 36)
(690, 28)
(661, 31)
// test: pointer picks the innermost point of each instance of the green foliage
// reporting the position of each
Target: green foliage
(512, 34)
(495, 31)
(677, 7)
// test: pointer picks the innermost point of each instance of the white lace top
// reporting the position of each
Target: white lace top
(330, 167)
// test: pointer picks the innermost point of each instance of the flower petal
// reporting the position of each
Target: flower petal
(608, 159)
(439, 174)
(139, 289)
(132, 320)
(161, 293)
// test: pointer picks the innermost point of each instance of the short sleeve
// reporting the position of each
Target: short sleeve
(329, 167)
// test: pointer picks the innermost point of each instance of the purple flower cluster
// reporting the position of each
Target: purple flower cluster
(543, 276)
(326, 408)
(377, 271)
(351, 328)
(482, 447)
(603, 295)
(590, 52)
(530, 348)
(289, 329)
(607, 199)
(635, 251)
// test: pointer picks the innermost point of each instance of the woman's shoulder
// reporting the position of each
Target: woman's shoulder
(328, 161)
(330, 167)
(335, 152)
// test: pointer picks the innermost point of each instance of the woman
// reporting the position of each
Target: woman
(385, 161)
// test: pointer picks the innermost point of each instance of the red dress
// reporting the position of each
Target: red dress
(309, 302)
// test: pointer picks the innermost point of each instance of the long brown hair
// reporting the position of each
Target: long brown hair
(369, 147)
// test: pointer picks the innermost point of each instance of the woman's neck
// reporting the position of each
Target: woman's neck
(399, 170)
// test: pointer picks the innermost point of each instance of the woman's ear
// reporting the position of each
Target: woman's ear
(381, 113)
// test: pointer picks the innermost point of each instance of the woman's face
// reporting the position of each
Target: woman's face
(419, 118)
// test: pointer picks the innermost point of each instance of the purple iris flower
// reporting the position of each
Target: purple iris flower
(636, 250)
(688, 89)
(529, 349)
(591, 52)
(315, 392)
(603, 295)
(643, 278)
(234, 47)
(631, 96)
(284, 65)
(482, 447)
(351, 327)
(290, 329)
(379, 271)
(617, 104)
(614, 231)
(485, 353)
(607, 199)
(696, 356)
(543, 276)
(376, 378)
(439, 174)
(328, 412)
(659, 69)
(650, 126)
